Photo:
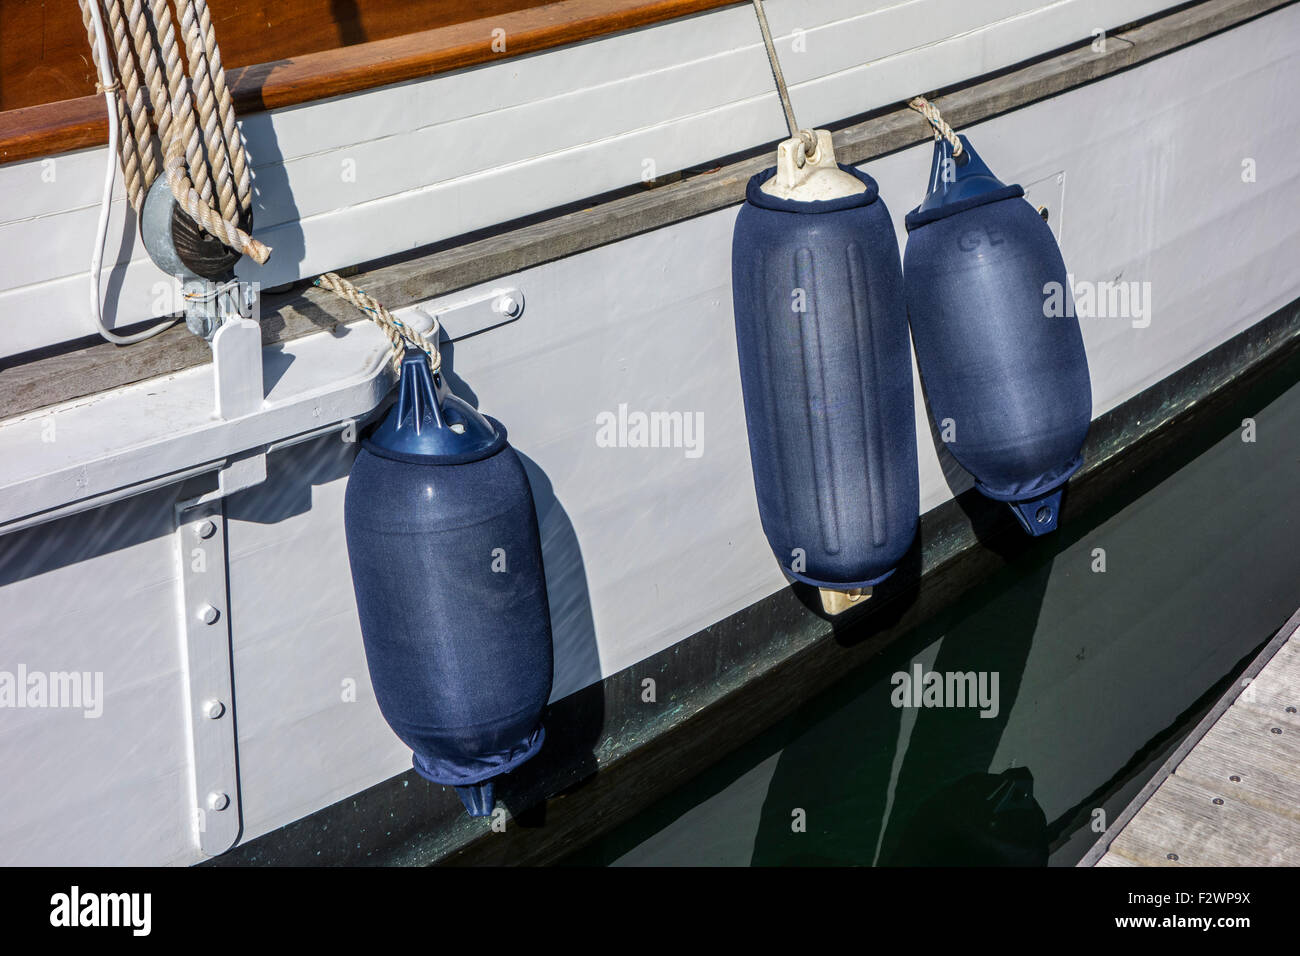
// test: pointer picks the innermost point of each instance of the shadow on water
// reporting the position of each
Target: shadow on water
(878, 783)
(865, 807)
(952, 810)
(914, 788)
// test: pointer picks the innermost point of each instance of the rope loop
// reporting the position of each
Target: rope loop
(201, 212)
(941, 128)
(399, 334)
(808, 139)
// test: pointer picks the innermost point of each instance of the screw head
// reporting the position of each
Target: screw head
(1172, 856)
(508, 305)
(208, 614)
(1277, 730)
(206, 528)
(212, 709)
(218, 800)
(1217, 801)
(1235, 779)
(1290, 710)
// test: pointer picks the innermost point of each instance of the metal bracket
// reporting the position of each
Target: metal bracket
(467, 316)
(237, 368)
(223, 311)
(837, 602)
(210, 698)
(209, 305)
(1047, 195)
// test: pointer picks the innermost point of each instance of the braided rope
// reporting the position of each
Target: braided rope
(139, 158)
(180, 102)
(941, 129)
(108, 85)
(230, 131)
(400, 335)
(198, 146)
(201, 212)
(217, 150)
(145, 42)
(128, 144)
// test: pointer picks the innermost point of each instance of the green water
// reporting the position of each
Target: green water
(1100, 674)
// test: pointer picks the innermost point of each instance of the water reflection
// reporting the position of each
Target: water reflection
(910, 783)
(1109, 638)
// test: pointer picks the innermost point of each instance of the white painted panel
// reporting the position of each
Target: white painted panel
(310, 732)
(439, 157)
(101, 444)
(96, 594)
(1154, 194)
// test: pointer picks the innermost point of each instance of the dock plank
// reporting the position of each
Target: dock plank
(1264, 764)
(1231, 795)
(1182, 819)
(1278, 686)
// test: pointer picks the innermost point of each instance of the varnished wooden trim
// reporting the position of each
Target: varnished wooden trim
(44, 55)
(80, 123)
(52, 128)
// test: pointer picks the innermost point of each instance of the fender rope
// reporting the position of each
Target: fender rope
(941, 129)
(805, 136)
(400, 335)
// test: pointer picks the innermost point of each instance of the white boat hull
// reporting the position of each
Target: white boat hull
(1143, 174)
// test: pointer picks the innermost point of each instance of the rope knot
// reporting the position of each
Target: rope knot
(399, 334)
(941, 128)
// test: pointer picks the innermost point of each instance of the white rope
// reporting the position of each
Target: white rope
(941, 129)
(108, 84)
(194, 109)
(166, 121)
(201, 212)
(399, 335)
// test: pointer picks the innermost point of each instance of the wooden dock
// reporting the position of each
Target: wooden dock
(1230, 795)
